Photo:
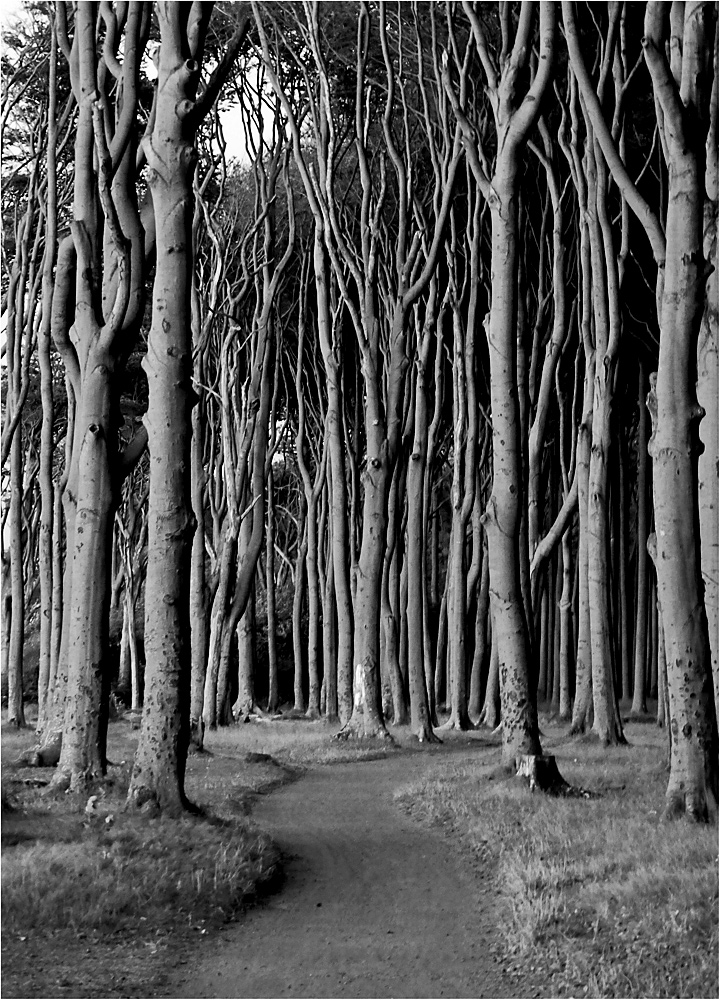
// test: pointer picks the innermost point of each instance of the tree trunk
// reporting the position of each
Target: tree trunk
(708, 393)
(16, 711)
(489, 716)
(481, 628)
(245, 702)
(622, 600)
(366, 719)
(565, 608)
(641, 601)
(298, 600)
(270, 591)
(674, 445)
(160, 759)
(198, 588)
(502, 517)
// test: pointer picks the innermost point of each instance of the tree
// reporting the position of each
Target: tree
(159, 768)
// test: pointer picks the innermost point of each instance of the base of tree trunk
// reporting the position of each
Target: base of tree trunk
(488, 719)
(640, 717)
(425, 734)
(252, 713)
(356, 731)
(460, 725)
(540, 772)
(197, 735)
(696, 807)
(45, 754)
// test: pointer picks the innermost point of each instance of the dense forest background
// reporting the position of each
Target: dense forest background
(409, 416)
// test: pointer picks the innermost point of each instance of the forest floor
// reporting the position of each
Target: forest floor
(408, 872)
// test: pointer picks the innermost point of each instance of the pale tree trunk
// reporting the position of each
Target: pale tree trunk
(606, 724)
(245, 702)
(555, 634)
(622, 601)
(417, 632)
(198, 587)
(313, 488)
(480, 650)
(503, 515)
(366, 719)
(542, 642)
(16, 711)
(45, 554)
(18, 340)
(565, 607)
(90, 487)
(653, 643)
(583, 705)
(641, 599)
(159, 768)
(390, 605)
(270, 592)
(313, 607)
(339, 513)
(441, 646)
(464, 461)
(708, 393)
(693, 784)
(330, 625)
(298, 600)
(661, 672)
(502, 519)
(489, 716)
(431, 534)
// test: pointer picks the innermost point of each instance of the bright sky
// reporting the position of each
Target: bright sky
(234, 136)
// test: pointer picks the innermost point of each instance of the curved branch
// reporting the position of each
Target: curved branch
(629, 191)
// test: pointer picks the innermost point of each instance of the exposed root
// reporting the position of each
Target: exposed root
(45, 754)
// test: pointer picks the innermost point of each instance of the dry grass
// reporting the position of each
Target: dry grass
(601, 897)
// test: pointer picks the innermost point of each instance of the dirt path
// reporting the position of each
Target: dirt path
(374, 905)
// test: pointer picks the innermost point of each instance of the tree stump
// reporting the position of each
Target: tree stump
(540, 772)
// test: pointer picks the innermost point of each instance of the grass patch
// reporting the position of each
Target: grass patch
(132, 872)
(137, 887)
(600, 896)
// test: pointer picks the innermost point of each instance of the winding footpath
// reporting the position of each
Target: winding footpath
(373, 905)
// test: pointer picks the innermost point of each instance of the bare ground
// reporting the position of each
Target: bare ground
(374, 904)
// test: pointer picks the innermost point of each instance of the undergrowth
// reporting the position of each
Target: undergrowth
(599, 894)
